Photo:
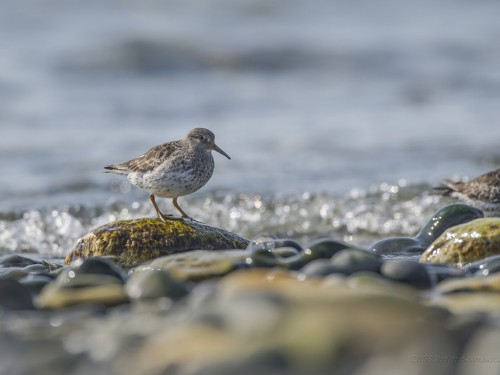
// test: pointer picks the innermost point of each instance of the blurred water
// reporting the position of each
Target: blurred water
(336, 100)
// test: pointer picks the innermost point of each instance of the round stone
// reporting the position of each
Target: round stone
(407, 271)
(443, 219)
(152, 284)
(465, 243)
(100, 266)
(319, 268)
(349, 261)
(136, 241)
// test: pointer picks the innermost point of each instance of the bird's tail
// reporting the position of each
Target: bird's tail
(443, 190)
(117, 169)
(447, 187)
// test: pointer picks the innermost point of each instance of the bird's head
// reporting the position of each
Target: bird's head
(205, 138)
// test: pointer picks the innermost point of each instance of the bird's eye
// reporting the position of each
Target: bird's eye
(201, 137)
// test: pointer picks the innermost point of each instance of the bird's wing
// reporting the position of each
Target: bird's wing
(148, 161)
(448, 187)
(485, 187)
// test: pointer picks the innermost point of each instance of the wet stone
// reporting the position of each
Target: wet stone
(14, 273)
(397, 246)
(480, 303)
(16, 260)
(100, 266)
(271, 243)
(198, 265)
(286, 252)
(71, 288)
(268, 257)
(349, 261)
(136, 241)
(20, 272)
(152, 284)
(443, 219)
(326, 248)
(489, 283)
(465, 243)
(319, 268)
(484, 267)
(271, 252)
(316, 328)
(442, 272)
(407, 271)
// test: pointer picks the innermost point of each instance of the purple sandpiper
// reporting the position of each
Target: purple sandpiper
(482, 192)
(173, 169)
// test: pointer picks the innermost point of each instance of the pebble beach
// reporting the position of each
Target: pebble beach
(322, 246)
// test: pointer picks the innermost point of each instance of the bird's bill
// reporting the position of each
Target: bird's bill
(220, 151)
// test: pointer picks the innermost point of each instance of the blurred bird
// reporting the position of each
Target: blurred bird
(482, 192)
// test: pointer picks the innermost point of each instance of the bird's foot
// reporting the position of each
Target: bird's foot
(191, 219)
(166, 218)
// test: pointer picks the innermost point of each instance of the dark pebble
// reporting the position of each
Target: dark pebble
(349, 261)
(407, 271)
(271, 244)
(484, 267)
(397, 246)
(326, 248)
(152, 284)
(319, 268)
(15, 260)
(286, 252)
(442, 272)
(36, 268)
(101, 266)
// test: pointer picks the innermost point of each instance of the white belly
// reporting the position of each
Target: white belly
(169, 185)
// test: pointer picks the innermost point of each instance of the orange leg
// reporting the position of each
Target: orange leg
(184, 215)
(158, 212)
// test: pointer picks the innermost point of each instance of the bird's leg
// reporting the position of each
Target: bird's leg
(158, 212)
(184, 215)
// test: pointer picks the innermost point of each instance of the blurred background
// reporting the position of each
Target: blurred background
(333, 100)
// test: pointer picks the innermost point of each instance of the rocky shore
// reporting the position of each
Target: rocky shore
(144, 297)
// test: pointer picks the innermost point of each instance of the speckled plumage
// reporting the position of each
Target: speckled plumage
(482, 192)
(173, 169)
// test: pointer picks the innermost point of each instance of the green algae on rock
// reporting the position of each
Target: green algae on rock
(465, 243)
(446, 217)
(137, 241)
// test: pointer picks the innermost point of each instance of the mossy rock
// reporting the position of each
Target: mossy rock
(446, 217)
(465, 243)
(136, 241)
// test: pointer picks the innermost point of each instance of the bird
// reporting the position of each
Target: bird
(482, 192)
(173, 169)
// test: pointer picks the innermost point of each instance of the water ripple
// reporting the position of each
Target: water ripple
(359, 216)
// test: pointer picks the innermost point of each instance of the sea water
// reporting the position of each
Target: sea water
(339, 116)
